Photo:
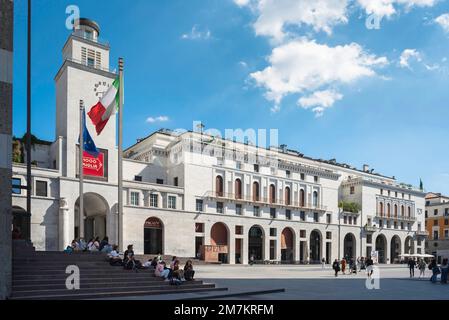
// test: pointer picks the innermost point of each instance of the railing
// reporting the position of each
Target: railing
(96, 40)
(422, 233)
(84, 63)
(262, 201)
(397, 217)
(369, 228)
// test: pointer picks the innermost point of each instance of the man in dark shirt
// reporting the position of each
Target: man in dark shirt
(411, 266)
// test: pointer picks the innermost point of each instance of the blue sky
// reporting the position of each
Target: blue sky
(311, 69)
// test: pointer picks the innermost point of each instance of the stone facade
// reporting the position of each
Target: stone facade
(6, 48)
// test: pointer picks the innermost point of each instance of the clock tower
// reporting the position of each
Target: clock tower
(84, 75)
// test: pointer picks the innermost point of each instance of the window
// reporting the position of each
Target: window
(199, 227)
(389, 192)
(396, 194)
(16, 186)
(315, 199)
(329, 235)
(349, 220)
(328, 218)
(272, 193)
(288, 214)
(287, 173)
(256, 168)
(41, 188)
(381, 223)
(287, 196)
(256, 211)
(426, 215)
(302, 198)
(352, 190)
(316, 179)
(303, 176)
(239, 230)
(369, 238)
(273, 232)
(238, 209)
(153, 200)
(435, 212)
(315, 217)
(175, 181)
(238, 165)
(435, 222)
(238, 189)
(302, 233)
(302, 216)
(219, 207)
(273, 213)
(388, 224)
(160, 181)
(409, 226)
(88, 35)
(446, 234)
(219, 186)
(272, 249)
(402, 225)
(395, 225)
(134, 198)
(199, 205)
(403, 195)
(91, 62)
(446, 222)
(435, 235)
(256, 191)
(381, 192)
(171, 202)
(138, 178)
(345, 219)
(355, 220)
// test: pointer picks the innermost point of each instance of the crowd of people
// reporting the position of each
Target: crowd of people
(352, 266)
(421, 265)
(93, 245)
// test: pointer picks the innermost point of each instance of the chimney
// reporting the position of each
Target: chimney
(365, 168)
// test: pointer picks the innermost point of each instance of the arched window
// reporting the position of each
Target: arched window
(238, 189)
(302, 198)
(287, 196)
(395, 210)
(402, 211)
(272, 193)
(388, 210)
(219, 186)
(409, 211)
(381, 209)
(256, 191)
(315, 199)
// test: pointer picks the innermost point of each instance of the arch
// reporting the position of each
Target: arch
(287, 245)
(409, 211)
(238, 188)
(388, 210)
(153, 236)
(395, 249)
(219, 236)
(21, 223)
(381, 248)
(272, 193)
(349, 247)
(402, 211)
(409, 245)
(302, 198)
(256, 191)
(315, 246)
(96, 212)
(288, 198)
(256, 240)
(395, 210)
(315, 198)
(381, 209)
(219, 186)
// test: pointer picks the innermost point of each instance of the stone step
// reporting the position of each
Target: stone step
(128, 274)
(87, 280)
(83, 270)
(105, 294)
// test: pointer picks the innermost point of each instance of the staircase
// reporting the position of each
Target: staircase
(42, 276)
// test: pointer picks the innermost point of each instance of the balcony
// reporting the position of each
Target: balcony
(370, 228)
(422, 233)
(392, 217)
(223, 196)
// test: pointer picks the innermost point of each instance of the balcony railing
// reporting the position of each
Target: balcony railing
(369, 228)
(397, 217)
(262, 201)
(422, 233)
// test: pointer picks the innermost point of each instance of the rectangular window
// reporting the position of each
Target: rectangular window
(349, 220)
(256, 168)
(153, 200)
(288, 214)
(273, 232)
(388, 224)
(175, 181)
(435, 235)
(91, 62)
(328, 218)
(16, 186)
(239, 230)
(395, 225)
(303, 176)
(238, 209)
(199, 227)
(287, 173)
(315, 217)
(446, 222)
(219, 207)
(316, 179)
(138, 178)
(381, 223)
(41, 188)
(238, 165)
(134, 198)
(199, 205)
(355, 220)
(402, 225)
(329, 235)
(302, 233)
(345, 219)
(302, 216)
(273, 213)
(446, 234)
(256, 211)
(160, 181)
(446, 211)
(171, 202)
(369, 238)
(381, 192)
(352, 190)
(435, 212)
(435, 222)
(272, 249)
(396, 194)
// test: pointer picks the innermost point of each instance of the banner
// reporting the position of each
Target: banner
(92, 166)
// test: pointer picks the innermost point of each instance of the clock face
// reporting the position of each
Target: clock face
(100, 88)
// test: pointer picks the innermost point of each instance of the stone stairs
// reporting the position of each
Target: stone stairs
(42, 276)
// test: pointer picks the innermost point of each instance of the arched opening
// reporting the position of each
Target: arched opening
(381, 248)
(256, 191)
(395, 211)
(402, 211)
(238, 189)
(302, 198)
(21, 223)
(153, 236)
(395, 250)
(287, 245)
(219, 186)
(381, 209)
(219, 239)
(288, 200)
(95, 214)
(315, 247)
(409, 245)
(272, 193)
(256, 243)
(388, 210)
(409, 212)
(349, 245)
(315, 199)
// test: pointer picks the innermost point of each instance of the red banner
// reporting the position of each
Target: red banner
(93, 166)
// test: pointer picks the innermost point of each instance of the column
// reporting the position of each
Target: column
(296, 246)
(64, 239)
(245, 245)
(231, 245)
(278, 245)
(266, 248)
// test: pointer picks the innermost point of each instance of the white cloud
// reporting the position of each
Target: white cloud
(320, 100)
(275, 15)
(157, 119)
(387, 8)
(443, 21)
(302, 66)
(408, 54)
(196, 34)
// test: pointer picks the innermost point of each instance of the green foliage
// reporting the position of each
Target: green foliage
(349, 206)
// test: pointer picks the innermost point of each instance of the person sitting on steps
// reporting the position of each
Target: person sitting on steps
(114, 257)
(189, 273)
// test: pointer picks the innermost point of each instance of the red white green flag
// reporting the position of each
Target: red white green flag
(106, 107)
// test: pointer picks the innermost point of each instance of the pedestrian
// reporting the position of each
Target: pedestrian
(444, 271)
(336, 267)
(323, 263)
(343, 265)
(422, 268)
(251, 259)
(369, 267)
(412, 266)
(435, 271)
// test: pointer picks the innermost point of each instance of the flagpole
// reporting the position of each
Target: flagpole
(120, 157)
(27, 232)
(81, 175)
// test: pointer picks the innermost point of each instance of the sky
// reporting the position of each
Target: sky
(359, 81)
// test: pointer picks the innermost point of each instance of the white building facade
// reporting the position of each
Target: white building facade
(190, 194)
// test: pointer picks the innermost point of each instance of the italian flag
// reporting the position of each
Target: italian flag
(105, 108)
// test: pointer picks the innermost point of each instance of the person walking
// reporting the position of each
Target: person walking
(343, 265)
(323, 263)
(422, 268)
(435, 271)
(412, 266)
(369, 267)
(444, 271)
(336, 267)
